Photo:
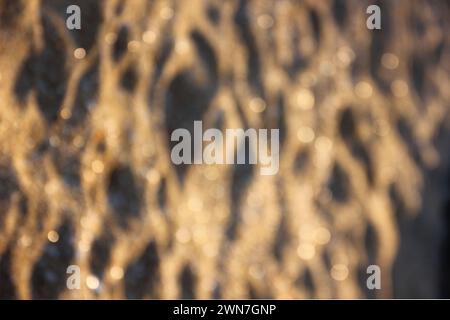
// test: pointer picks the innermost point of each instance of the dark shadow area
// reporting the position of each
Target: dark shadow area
(339, 184)
(188, 283)
(7, 288)
(142, 276)
(49, 83)
(101, 252)
(189, 95)
(49, 274)
(241, 178)
(124, 195)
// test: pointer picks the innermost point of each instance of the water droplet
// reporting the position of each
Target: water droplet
(183, 235)
(304, 99)
(149, 36)
(322, 235)
(306, 251)
(323, 144)
(305, 134)
(195, 204)
(399, 88)
(116, 272)
(79, 53)
(265, 21)
(25, 241)
(345, 55)
(363, 89)
(97, 166)
(110, 38)
(153, 176)
(339, 272)
(92, 282)
(166, 13)
(182, 46)
(134, 46)
(390, 61)
(65, 114)
(53, 236)
(257, 105)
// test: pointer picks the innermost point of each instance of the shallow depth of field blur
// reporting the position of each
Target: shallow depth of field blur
(86, 177)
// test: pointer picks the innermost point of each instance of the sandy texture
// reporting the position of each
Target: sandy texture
(86, 177)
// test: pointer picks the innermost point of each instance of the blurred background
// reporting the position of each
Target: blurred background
(86, 177)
